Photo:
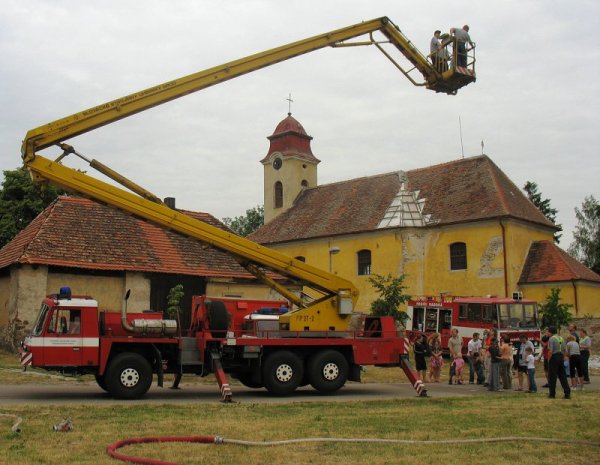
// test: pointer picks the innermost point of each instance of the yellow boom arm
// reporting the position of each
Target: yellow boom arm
(339, 295)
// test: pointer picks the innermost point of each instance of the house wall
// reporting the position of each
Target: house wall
(588, 296)
(223, 288)
(4, 296)
(107, 290)
(423, 254)
(28, 288)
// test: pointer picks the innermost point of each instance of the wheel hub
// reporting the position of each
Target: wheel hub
(284, 373)
(331, 371)
(129, 377)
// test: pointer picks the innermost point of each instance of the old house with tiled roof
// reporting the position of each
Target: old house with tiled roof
(549, 266)
(460, 228)
(102, 251)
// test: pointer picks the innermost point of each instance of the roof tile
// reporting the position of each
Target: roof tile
(80, 233)
(458, 191)
(546, 262)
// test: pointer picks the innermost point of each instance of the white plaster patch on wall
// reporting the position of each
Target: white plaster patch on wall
(486, 267)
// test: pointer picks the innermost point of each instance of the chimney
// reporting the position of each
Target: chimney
(170, 202)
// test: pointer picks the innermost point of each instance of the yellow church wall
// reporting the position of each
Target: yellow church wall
(423, 254)
(588, 296)
(384, 246)
(427, 260)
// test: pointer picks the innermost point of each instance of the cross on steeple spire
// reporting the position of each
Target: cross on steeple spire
(289, 99)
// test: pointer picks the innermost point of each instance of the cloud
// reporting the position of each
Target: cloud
(534, 103)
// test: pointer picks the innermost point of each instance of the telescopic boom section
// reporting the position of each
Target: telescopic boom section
(336, 297)
(106, 113)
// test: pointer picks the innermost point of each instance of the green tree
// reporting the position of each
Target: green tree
(21, 201)
(174, 301)
(543, 205)
(244, 225)
(391, 296)
(586, 235)
(553, 312)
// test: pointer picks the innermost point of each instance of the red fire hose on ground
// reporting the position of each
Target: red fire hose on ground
(112, 449)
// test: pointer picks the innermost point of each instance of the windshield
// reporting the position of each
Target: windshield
(39, 323)
(517, 315)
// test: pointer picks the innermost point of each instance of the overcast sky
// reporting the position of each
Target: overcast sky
(535, 102)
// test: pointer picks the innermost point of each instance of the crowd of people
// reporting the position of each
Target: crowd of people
(493, 363)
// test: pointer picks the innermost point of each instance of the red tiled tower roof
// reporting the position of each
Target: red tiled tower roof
(80, 233)
(464, 190)
(291, 140)
(546, 262)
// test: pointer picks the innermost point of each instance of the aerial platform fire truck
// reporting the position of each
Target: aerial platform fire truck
(317, 342)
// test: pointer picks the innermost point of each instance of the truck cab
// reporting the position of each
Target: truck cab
(65, 334)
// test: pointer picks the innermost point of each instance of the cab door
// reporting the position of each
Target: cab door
(63, 342)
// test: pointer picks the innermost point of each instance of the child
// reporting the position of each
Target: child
(458, 365)
(530, 369)
(437, 362)
(478, 366)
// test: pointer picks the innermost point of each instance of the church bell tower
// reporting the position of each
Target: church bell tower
(289, 167)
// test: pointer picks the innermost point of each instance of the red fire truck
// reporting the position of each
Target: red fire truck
(468, 315)
(314, 343)
(124, 350)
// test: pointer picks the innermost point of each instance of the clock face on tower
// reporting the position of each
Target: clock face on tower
(277, 163)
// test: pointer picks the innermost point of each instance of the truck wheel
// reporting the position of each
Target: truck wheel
(129, 376)
(282, 372)
(100, 380)
(218, 318)
(327, 371)
(249, 380)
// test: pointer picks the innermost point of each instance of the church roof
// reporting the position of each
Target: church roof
(464, 190)
(290, 140)
(546, 262)
(80, 233)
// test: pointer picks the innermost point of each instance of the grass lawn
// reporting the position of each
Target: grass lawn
(479, 416)
(415, 418)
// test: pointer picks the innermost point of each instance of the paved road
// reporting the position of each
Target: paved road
(53, 394)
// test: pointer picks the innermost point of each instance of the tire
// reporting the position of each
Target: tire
(249, 380)
(100, 381)
(327, 371)
(129, 376)
(218, 318)
(282, 372)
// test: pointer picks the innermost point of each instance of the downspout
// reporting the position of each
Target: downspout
(575, 296)
(504, 257)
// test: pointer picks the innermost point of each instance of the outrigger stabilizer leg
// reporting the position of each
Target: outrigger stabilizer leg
(413, 376)
(222, 379)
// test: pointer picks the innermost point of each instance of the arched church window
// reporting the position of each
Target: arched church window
(458, 256)
(364, 262)
(278, 194)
